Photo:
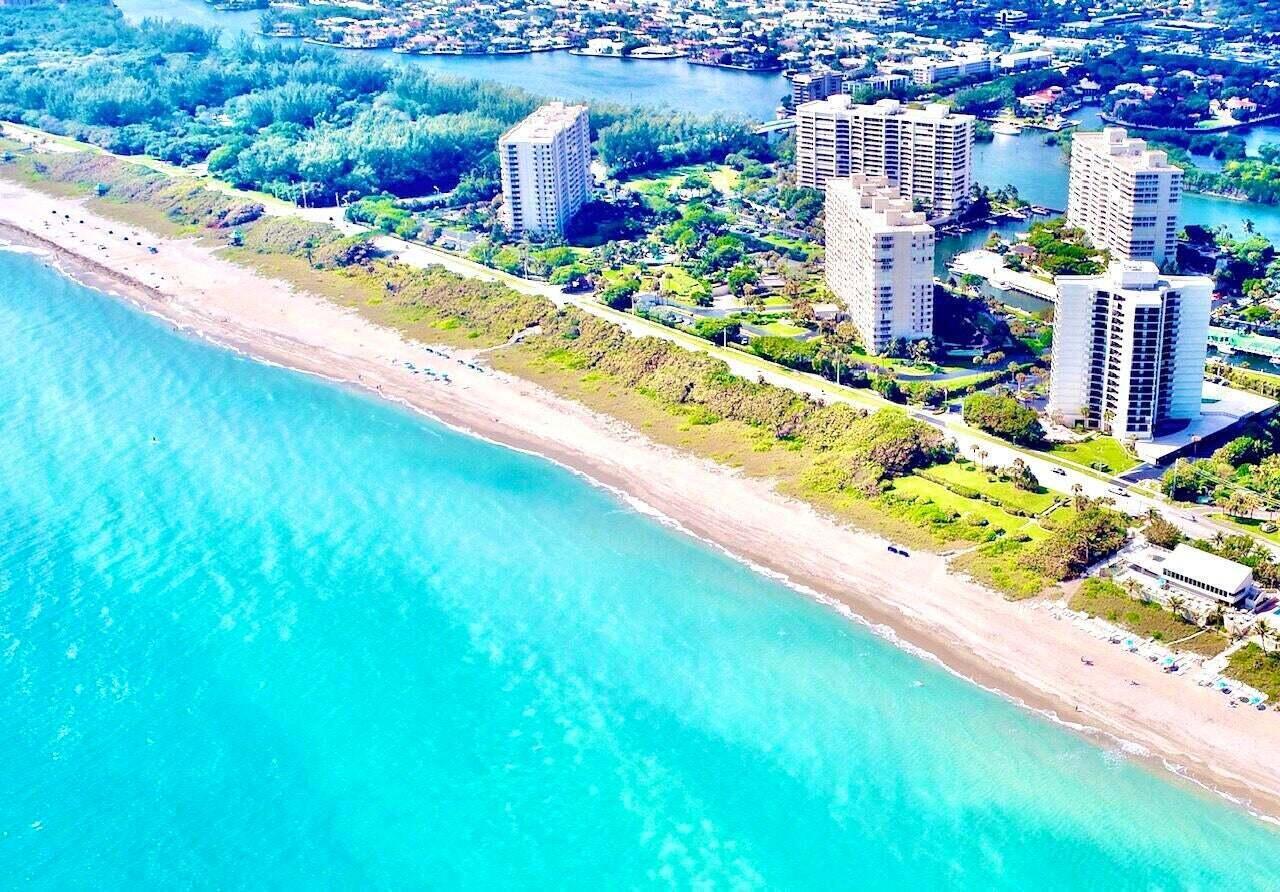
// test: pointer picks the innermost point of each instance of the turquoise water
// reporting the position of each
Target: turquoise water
(302, 637)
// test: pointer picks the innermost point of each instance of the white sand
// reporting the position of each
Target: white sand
(1009, 647)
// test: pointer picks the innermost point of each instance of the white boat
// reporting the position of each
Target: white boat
(1006, 128)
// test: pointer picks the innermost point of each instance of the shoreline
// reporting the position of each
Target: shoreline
(1010, 649)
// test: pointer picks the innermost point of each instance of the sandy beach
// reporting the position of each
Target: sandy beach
(1012, 648)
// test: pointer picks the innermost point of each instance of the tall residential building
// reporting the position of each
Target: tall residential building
(1129, 349)
(1124, 196)
(927, 152)
(809, 86)
(879, 260)
(546, 169)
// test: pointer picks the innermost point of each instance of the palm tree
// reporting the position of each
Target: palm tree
(1077, 494)
(1176, 605)
(1219, 615)
(1265, 633)
(1133, 588)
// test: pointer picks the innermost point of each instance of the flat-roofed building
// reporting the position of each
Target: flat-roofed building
(926, 71)
(809, 86)
(879, 261)
(1129, 350)
(927, 152)
(1125, 196)
(546, 169)
(884, 82)
(1207, 574)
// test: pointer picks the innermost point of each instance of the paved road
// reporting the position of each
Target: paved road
(1054, 473)
(1057, 474)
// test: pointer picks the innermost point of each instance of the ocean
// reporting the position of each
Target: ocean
(259, 631)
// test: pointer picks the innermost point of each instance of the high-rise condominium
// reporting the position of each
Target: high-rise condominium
(1124, 196)
(546, 169)
(1129, 349)
(879, 260)
(926, 152)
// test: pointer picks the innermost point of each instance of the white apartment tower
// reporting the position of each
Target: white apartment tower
(1124, 196)
(1129, 349)
(879, 260)
(926, 152)
(546, 169)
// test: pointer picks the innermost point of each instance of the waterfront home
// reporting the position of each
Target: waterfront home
(1042, 101)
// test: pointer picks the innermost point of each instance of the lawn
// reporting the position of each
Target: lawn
(1058, 518)
(976, 519)
(1257, 669)
(782, 329)
(808, 249)
(1104, 598)
(1106, 450)
(613, 276)
(661, 183)
(1248, 525)
(678, 282)
(968, 476)
(905, 368)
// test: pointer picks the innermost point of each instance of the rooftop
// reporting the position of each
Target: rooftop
(875, 198)
(1194, 563)
(544, 123)
(1133, 276)
(934, 112)
(1132, 153)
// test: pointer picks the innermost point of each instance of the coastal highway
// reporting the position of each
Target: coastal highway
(1057, 474)
(1053, 472)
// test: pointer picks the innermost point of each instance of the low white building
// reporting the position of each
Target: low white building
(926, 71)
(1198, 573)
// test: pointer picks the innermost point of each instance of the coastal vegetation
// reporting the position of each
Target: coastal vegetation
(1256, 667)
(1242, 476)
(1059, 546)
(303, 124)
(1004, 417)
(881, 469)
(1130, 610)
(1254, 179)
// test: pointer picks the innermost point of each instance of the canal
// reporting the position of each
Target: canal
(1039, 170)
